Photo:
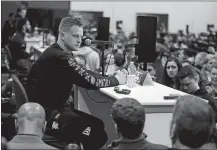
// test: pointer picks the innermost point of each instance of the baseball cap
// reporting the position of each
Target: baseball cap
(81, 127)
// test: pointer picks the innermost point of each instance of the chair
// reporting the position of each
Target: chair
(20, 92)
(8, 57)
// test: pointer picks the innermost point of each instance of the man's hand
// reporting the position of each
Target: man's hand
(121, 77)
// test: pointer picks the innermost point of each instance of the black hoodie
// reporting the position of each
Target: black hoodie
(202, 93)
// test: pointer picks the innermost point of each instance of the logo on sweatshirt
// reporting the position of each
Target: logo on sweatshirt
(87, 131)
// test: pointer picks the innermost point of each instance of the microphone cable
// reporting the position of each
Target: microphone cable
(88, 95)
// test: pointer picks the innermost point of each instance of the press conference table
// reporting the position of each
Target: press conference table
(158, 111)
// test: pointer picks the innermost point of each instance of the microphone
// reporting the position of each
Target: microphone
(89, 42)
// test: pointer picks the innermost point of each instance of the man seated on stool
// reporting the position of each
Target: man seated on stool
(129, 118)
(192, 124)
(31, 127)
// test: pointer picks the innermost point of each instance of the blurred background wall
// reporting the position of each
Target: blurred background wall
(196, 14)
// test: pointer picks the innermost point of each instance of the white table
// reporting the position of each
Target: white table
(158, 110)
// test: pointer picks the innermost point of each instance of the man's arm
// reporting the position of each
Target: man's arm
(86, 78)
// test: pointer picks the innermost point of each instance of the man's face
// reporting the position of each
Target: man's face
(214, 75)
(151, 70)
(189, 84)
(72, 38)
(22, 13)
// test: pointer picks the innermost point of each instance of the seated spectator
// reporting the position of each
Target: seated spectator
(186, 62)
(199, 60)
(171, 70)
(192, 124)
(152, 71)
(206, 69)
(31, 127)
(91, 56)
(160, 64)
(22, 70)
(17, 45)
(189, 80)
(110, 67)
(129, 118)
(213, 84)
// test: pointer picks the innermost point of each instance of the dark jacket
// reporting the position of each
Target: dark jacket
(7, 31)
(140, 143)
(202, 93)
(52, 76)
(28, 142)
(17, 47)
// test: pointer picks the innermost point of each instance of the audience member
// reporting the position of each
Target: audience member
(192, 124)
(160, 64)
(91, 56)
(214, 80)
(189, 80)
(129, 118)
(31, 127)
(171, 70)
(22, 70)
(199, 60)
(206, 69)
(8, 29)
(152, 71)
(17, 44)
(186, 62)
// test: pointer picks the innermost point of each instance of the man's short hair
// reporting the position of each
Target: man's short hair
(194, 121)
(67, 22)
(187, 71)
(129, 115)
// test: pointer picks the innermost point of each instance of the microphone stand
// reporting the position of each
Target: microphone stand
(102, 46)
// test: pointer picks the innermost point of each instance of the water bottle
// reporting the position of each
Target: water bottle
(131, 78)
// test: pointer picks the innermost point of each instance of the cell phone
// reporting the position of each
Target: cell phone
(123, 91)
(170, 97)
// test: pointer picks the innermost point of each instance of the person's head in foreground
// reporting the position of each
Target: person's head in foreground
(129, 117)
(70, 33)
(31, 119)
(192, 123)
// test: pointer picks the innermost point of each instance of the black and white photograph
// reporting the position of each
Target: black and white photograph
(109, 75)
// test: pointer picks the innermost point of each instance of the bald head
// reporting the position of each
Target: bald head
(31, 111)
(31, 119)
